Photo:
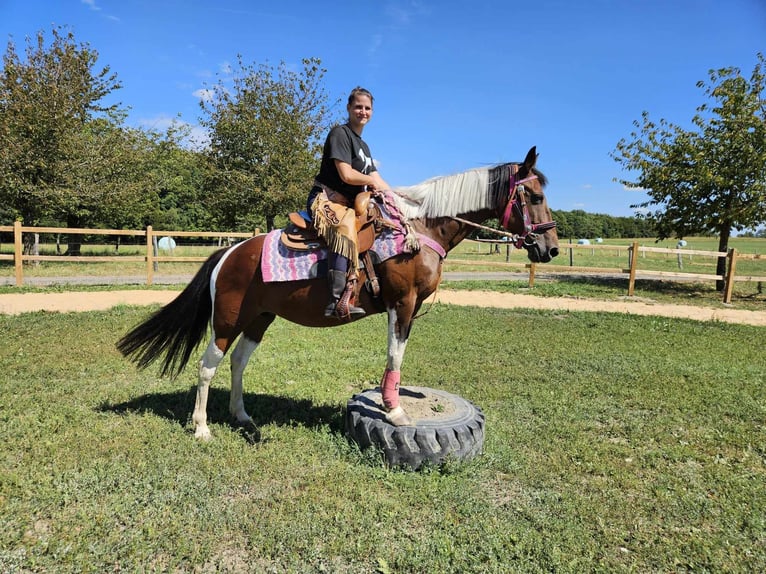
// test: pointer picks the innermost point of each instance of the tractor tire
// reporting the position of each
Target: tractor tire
(446, 427)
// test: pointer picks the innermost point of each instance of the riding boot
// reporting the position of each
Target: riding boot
(337, 282)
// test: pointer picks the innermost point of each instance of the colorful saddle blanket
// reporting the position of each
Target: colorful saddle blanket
(278, 263)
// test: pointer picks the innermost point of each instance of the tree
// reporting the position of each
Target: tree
(177, 176)
(711, 179)
(64, 155)
(266, 133)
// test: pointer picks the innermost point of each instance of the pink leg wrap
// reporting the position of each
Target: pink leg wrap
(389, 388)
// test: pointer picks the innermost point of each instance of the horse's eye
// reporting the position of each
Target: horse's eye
(536, 199)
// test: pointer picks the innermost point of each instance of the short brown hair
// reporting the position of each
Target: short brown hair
(359, 91)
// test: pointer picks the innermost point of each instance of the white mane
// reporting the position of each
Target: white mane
(446, 196)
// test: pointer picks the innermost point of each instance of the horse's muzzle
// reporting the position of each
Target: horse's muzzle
(537, 255)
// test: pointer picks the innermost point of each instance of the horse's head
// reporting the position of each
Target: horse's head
(525, 211)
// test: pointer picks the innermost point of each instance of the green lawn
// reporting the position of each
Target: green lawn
(613, 444)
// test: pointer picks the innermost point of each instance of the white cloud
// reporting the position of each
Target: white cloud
(629, 188)
(197, 137)
(376, 41)
(204, 94)
(96, 8)
(587, 186)
(225, 68)
(160, 123)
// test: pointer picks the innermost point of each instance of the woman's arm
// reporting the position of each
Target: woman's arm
(380, 183)
(352, 177)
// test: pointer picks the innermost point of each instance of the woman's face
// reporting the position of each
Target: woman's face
(359, 111)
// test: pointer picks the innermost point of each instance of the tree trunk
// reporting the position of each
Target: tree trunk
(74, 245)
(723, 246)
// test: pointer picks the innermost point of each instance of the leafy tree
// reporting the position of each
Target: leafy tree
(174, 177)
(711, 179)
(266, 133)
(66, 156)
(50, 116)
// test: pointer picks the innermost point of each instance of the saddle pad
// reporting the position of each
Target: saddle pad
(281, 264)
(278, 263)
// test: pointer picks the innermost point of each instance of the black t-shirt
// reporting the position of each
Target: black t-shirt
(344, 145)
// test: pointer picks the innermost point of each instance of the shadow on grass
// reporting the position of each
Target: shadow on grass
(264, 410)
(689, 289)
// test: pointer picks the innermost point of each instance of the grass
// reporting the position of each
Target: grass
(610, 289)
(614, 444)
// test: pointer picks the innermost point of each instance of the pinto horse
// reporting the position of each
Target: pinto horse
(229, 292)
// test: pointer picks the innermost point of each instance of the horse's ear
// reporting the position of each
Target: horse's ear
(531, 159)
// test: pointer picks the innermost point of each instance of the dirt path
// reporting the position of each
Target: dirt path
(13, 304)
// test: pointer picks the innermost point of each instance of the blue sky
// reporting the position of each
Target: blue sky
(457, 85)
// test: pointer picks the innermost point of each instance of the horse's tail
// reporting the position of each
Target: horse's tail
(175, 330)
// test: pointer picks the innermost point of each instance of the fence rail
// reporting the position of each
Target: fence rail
(633, 272)
(152, 258)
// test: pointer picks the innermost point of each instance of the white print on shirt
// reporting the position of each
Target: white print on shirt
(367, 161)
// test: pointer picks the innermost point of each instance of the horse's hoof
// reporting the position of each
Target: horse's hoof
(248, 430)
(399, 418)
(203, 434)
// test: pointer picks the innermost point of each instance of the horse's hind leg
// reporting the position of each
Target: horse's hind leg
(239, 358)
(248, 343)
(207, 367)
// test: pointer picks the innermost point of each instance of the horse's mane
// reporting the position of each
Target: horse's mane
(451, 195)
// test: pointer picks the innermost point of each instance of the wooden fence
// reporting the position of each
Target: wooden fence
(633, 271)
(151, 258)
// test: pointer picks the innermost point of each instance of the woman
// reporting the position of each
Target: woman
(347, 169)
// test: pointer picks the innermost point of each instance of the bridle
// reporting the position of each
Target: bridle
(517, 199)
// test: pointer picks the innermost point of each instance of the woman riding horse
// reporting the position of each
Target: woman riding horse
(347, 169)
(230, 295)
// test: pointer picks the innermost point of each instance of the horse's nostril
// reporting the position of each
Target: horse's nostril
(554, 251)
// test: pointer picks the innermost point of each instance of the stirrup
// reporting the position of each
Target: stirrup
(335, 308)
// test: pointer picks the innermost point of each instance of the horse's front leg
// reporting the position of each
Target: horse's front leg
(399, 324)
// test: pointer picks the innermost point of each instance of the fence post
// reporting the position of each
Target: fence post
(18, 249)
(732, 259)
(633, 263)
(531, 275)
(149, 256)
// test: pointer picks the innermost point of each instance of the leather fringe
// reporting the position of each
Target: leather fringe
(339, 235)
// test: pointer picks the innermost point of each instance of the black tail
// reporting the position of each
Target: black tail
(177, 328)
